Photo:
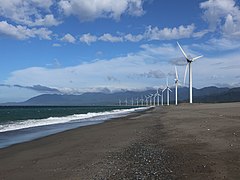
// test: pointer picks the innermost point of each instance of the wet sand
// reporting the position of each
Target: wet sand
(199, 141)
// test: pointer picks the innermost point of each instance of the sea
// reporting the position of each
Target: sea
(26, 123)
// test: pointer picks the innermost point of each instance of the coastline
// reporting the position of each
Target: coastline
(16, 132)
(185, 142)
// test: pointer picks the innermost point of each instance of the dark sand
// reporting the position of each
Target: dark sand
(199, 141)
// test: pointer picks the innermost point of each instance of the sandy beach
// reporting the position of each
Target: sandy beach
(199, 141)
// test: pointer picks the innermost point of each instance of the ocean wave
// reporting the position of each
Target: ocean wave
(99, 116)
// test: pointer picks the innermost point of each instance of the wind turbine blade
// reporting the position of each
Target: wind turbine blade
(193, 59)
(185, 74)
(176, 72)
(164, 90)
(182, 51)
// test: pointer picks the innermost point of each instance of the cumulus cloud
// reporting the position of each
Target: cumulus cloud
(23, 32)
(110, 38)
(93, 9)
(88, 38)
(178, 61)
(153, 74)
(68, 38)
(151, 33)
(223, 15)
(133, 38)
(169, 33)
(218, 44)
(29, 12)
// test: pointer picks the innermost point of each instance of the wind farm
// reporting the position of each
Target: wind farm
(127, 89)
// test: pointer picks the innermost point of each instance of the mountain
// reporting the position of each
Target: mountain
(205, 95)
(231, 95)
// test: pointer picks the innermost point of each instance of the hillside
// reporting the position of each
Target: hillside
(205, 95)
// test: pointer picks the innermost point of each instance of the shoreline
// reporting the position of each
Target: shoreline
(199, 141)
(39, 130)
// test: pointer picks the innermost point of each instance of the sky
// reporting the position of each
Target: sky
(77, 46)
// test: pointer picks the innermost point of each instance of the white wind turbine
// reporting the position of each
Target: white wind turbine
(137, 101)
(142, 100)
(162, 96)
(150, 101)
(189, 66)
(146, 100)
(126, 101)
(176, 86)
(168, 90)
(157, 95)
(154, 100)
(120, 102)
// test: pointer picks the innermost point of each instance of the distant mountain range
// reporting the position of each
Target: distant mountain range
(204, 95)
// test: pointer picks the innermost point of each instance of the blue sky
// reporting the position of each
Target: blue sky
(76, 46)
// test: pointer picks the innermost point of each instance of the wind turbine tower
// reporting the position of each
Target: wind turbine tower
(150, 101)
(162, 96)
(157, 95)
(176, 86)
(137, 101)
(189, 66)
(142, 100)
(168, 90)
(120, 102)
(146, 100)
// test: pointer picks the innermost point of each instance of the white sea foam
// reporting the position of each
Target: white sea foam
(100, 116)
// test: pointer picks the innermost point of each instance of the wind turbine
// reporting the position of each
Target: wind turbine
(176, 86)
(146, 100)
(154, 100)
(189, 66)
(157, 95)
(168, 89)
(150, 101)
(137, 101)
(126, 101)
(132, 102)
(120, 102)
(162, 96)
(142, 100)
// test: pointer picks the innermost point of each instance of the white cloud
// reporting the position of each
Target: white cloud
(169, 33)
(218, 44)
(93, 9)
(88, 38)
(201, 33)
(223, 15)
(29, 12)
(68, 38)
(86, 76)
(22, 32)
(133, 38)
(56, 45)
(110, 38)
(145, 68)
(48, 20)
(151, 33)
